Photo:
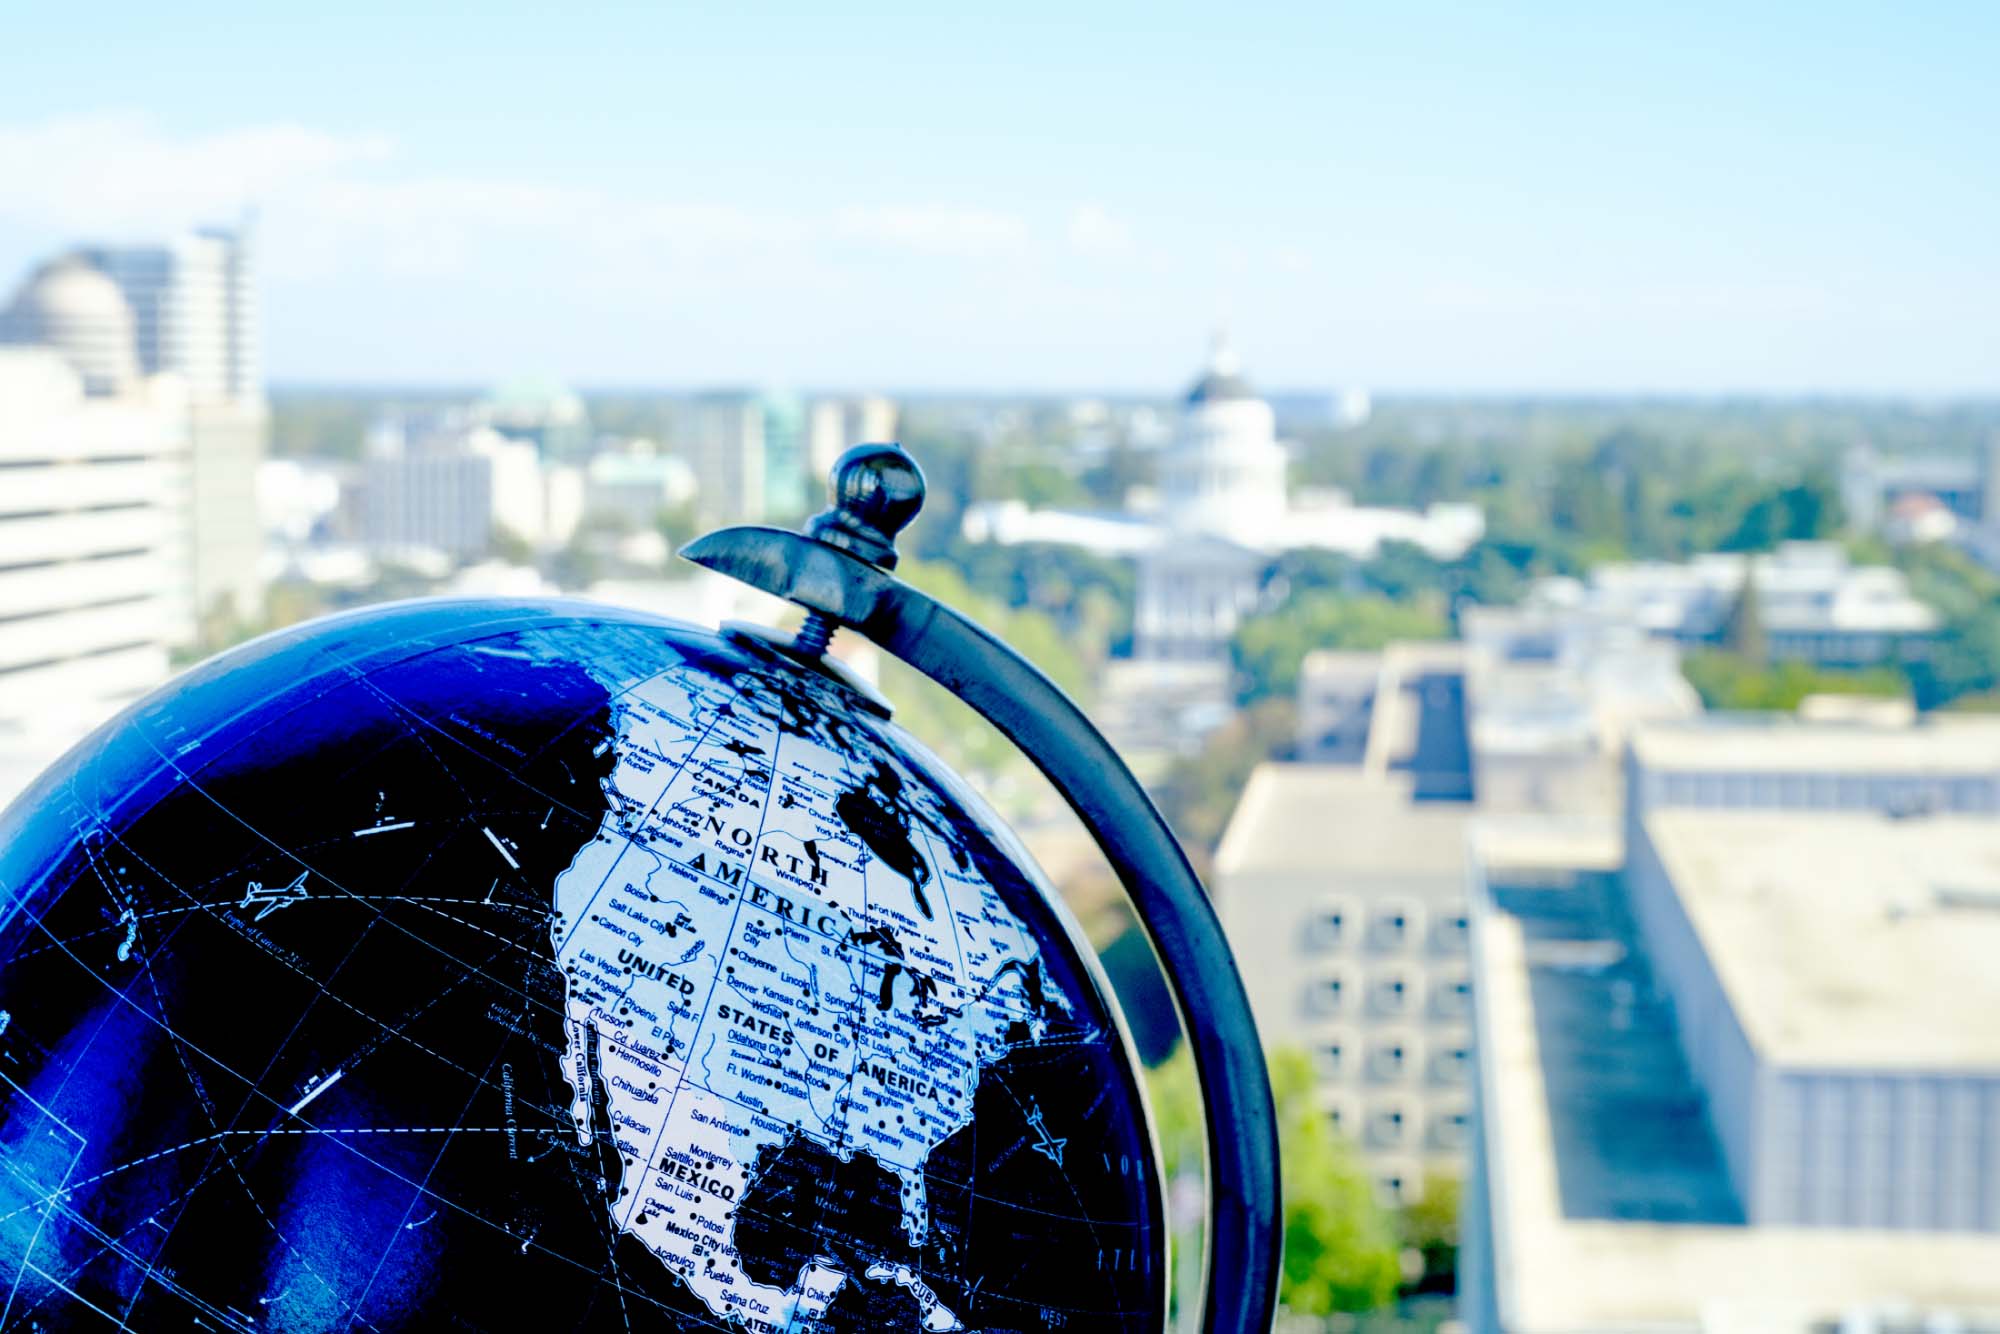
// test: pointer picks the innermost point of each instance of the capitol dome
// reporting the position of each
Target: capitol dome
(1224, 474)
(76, 310)
(1222, 380)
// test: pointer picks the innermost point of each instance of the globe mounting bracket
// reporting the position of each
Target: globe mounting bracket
(839, 571)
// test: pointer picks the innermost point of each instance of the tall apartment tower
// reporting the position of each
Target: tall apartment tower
(195, 315)
(749, 452)
(194, 310)
(834, 424)
(723, 436)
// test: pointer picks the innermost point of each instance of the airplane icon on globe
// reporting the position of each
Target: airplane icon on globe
(1049, 1146)
(281, 896)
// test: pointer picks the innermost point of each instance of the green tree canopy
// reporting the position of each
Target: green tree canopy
(1341, 1250)
(946, 723)
(1727, 680)
(1268, 648)
(1964, 660)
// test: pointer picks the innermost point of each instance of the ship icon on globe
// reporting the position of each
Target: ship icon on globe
(538, 965)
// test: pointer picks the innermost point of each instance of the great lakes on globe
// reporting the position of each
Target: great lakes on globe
(542, 966)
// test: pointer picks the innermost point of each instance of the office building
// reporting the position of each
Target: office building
(194, 310)
(1337, 692)
(749, 453)
(1831, 974)
(86, 514)
(1346, 901)
(1551, 696)
(434, 484)
(1811, 603)
(789, 492)
(1342, 888)
(1547, 707)
(722, 437)
(1741, 1086)
(196, 316)
(835, 425)
(1966, 488)
(1947, 765)
(547, 415)
(633, 487)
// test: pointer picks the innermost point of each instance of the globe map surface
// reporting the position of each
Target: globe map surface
(541, 966)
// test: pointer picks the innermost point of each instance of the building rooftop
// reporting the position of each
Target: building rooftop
(1584, 1239)
(1803, 588)
(1340, 662)
(1767, 743)
(1845, 939)
(1325, 820)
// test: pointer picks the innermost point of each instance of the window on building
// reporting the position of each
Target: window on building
(1453, 930)
(1393, 926)
(1451, 1130)
(1453, 1064)
(1387, 1126)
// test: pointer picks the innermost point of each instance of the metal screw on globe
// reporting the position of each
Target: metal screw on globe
(542, 965)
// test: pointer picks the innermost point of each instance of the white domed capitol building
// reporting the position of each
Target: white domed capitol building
(1223, 516)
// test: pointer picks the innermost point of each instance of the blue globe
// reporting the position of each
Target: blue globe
(501, 966)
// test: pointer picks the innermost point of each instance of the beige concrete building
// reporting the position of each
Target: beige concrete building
(1345, 900)
(1748, 1085)
(1774, 762)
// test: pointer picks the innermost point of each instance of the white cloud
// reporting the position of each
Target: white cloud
(1094, 231)
(337, 204)
(931, 229)
(115, 173)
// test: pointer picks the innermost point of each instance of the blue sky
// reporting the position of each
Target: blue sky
(1524, 198)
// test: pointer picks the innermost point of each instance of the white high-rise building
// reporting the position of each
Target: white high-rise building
(195, 316)
(194, 310)
(724, 442)
(86, 529)
(837, 424)
(445, 487)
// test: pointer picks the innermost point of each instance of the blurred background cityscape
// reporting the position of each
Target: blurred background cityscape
(1584, 710)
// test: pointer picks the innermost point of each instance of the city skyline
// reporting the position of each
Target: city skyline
(1707, 202)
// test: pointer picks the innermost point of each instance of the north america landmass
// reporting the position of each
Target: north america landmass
(780, 967)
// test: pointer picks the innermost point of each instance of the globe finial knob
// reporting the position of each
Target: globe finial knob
(877, 490)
